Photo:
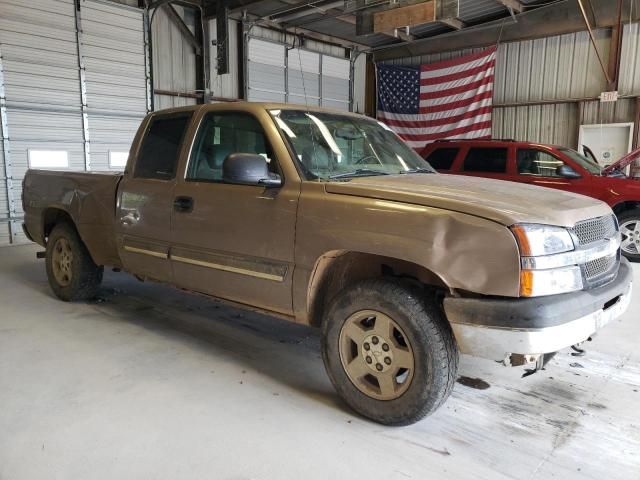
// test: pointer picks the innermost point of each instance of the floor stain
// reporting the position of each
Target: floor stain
(476, 383)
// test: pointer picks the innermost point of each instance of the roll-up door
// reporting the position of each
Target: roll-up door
(303, 77)
(336, 74)
(41, 89)
(113, 53)
(73, 89)
(265, 71)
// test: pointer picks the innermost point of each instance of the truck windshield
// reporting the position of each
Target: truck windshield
(586, 163)
(330, 146)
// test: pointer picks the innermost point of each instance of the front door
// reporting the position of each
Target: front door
(145, 198)
(234, 241)
(539, 167)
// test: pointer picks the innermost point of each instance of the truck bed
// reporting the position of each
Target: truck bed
(89, 198)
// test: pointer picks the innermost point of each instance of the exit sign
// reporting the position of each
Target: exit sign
(609, 96)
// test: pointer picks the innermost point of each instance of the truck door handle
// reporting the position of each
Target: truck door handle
(183, 204)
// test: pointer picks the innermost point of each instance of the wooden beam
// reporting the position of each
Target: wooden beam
(556, 19)
(408, 16)
(454, 23)
(514, 5)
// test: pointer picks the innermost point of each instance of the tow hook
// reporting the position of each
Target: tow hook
(539, 360)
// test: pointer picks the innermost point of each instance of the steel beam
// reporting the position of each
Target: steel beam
(176, 19)
(83, 88)
(8, 177)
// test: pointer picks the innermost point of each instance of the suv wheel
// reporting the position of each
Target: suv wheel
(630, 229)
(70, 269)
(390, 354)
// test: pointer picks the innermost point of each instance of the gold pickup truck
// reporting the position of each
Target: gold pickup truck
(328, 219)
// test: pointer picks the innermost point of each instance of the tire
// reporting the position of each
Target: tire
(629, 221)
(70, 269)
(417, 329)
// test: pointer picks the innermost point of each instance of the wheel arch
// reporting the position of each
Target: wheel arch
(625, 206)
(336, 269)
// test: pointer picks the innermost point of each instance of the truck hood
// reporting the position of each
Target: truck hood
(503, 202)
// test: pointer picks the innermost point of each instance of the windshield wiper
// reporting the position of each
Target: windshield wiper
(417, 170)
(361, 172)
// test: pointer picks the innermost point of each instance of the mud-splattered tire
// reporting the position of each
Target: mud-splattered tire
(389, 352)
(70, 269)
(629, 221)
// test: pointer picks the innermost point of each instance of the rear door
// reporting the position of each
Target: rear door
(235, 241)
(442, 158)
(145, 197)
(540, 167)
(488, 162)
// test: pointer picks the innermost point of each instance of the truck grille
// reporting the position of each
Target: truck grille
(601, 270)
(596, 229)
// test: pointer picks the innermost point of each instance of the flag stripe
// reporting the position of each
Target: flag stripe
(459, 89)
(458, 61)
(426, 137)
(401, 125)
(456, 75)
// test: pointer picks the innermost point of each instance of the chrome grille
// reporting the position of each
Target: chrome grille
(595, 229)
(599, 267)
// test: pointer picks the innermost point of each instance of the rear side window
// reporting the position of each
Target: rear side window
(442, 158)
(487, 160)
(159, 151)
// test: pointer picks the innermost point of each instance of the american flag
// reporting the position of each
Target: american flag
(450, 99)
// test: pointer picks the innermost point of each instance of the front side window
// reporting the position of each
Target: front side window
(330, 146)
(442, 158)
(486, 160)
(222, 134)
(158, 156)
(531, 161)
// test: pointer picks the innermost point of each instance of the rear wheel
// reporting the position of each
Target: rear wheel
(71, 271)
(630, 229)
(389, 353)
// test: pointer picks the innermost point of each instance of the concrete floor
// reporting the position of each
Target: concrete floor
(152, 383)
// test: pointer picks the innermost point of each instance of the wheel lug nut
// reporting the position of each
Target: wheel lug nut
(379, 367)
(374, 340)
(369, 360)
(366, 346)
(385, 347)
(387, 360)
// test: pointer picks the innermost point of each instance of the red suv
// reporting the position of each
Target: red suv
(545, 166)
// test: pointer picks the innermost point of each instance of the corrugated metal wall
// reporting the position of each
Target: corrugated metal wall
(174, 67)
(543, 88)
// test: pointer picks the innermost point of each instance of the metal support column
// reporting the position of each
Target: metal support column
(13, 227)
(83, 90)
(147, 61)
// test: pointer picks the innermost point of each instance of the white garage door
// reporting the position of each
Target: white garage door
(278, 74)
(71, 99)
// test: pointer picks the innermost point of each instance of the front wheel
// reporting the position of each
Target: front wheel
(629, 221)
(71, 271)
(389, 353)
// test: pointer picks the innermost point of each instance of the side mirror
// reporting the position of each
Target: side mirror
(565, 171)
(248, 169)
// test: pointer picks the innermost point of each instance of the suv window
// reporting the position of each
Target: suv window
(490, 160)
(159, 152)
(222, 134)
(442, 158)
(531, 161)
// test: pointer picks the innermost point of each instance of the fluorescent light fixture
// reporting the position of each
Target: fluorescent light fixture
(118, 159)
(48, 158)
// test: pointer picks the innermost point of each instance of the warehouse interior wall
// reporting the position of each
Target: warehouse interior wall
(546, 88)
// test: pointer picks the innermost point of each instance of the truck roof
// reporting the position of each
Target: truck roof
(246, 105)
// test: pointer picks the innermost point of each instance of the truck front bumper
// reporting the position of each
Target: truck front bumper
(496, 328)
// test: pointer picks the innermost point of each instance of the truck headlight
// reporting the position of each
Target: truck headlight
(542, 246)
(535, 240)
